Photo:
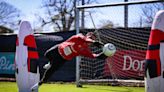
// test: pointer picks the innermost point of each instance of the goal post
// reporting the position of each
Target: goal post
(78, 57)
(127, 43)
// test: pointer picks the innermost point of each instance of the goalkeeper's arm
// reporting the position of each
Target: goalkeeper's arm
(100, 56)
(98, 44)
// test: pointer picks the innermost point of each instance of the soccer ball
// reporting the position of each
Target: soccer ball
(109, 49)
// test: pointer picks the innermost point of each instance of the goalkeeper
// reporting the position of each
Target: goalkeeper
(77, 45)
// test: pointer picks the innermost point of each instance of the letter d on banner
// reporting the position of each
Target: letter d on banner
(126, 60)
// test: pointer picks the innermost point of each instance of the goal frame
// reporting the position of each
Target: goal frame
(77, 27)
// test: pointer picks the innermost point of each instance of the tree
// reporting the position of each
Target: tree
(149, 11)
(8, 15)
(5, 30)
(60, 13)
(107, 24)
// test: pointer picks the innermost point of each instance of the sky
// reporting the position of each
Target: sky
(115, 14)
(31, 7)
(28, 8)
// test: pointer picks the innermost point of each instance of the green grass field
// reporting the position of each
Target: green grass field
(70, 87)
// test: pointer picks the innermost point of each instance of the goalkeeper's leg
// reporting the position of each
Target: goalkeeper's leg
(53, 67)
(56, 61)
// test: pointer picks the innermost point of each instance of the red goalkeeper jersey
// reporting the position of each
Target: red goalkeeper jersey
(77, 45)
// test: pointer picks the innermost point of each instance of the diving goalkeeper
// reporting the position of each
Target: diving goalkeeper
(77, 45)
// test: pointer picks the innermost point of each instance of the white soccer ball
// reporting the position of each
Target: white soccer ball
(109, 49)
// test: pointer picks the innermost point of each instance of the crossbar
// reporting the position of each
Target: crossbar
(118, 4)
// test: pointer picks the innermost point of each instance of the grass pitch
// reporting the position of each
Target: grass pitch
(70, 87)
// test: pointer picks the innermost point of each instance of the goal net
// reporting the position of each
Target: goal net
(126, 64)
(126, 67)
